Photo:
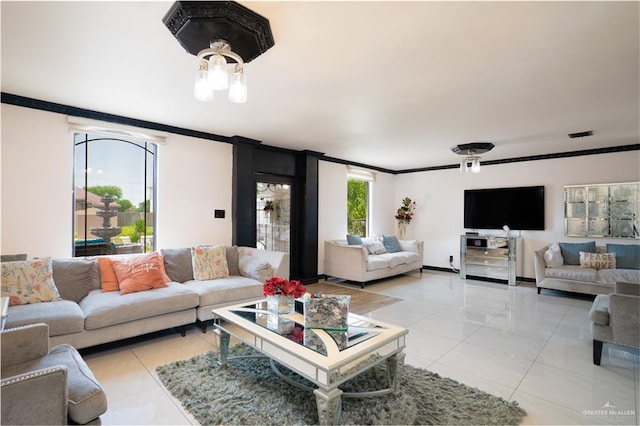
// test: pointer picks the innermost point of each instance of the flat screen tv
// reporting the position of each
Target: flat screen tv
(520, 208)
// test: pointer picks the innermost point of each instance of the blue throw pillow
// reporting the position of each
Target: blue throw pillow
(354, 240)
(627, 255)
(391, 243)
(571, 251)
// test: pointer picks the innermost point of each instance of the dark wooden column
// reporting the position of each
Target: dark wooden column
(244, 193)
(307, 163)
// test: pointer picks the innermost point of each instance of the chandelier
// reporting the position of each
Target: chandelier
(213, 75)
(471, 162)
(209, 30)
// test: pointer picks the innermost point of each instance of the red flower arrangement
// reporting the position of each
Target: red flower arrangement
(280, 286)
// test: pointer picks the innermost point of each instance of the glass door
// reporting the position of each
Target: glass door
(273, 216)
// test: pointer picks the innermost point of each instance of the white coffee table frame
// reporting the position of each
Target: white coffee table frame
(327, 372)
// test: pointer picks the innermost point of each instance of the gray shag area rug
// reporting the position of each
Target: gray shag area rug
(248, 392)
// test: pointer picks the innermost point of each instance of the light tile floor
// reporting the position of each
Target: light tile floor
(508, 341)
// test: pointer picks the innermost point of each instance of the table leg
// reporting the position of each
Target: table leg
(329, 405)
(392, 370)
(223, 347)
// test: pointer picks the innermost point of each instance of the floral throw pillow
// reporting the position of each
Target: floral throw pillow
(29, 281)
(598, 260)
(209, 262)
(375, 247)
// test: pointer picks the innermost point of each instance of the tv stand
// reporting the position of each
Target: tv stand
(491, 257)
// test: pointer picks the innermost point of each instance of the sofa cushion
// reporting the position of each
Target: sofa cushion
(62, 316)
(553, 256)
(612, 276)
(13, 257)
(87, 399)
(391, 243)
(354, 240)
(573, 272)
(598, 260)
(177, 263)
(111, 308)
(399, 258)
(409, 245)
(29, 281)
(232, 260)
(627, 255)
(255, 268)
(73, 277)
(571, 251)
(224, 290)
(375, 263)
(209, 262)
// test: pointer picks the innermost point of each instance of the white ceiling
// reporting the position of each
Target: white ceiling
(389, 84)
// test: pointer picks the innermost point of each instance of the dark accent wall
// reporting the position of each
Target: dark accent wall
(252, 163)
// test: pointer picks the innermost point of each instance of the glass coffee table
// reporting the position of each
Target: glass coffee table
(325, 358)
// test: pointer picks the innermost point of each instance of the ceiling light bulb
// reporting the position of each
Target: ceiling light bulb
(475, 165)
(202, 89)
(238, 87)
(218, 76)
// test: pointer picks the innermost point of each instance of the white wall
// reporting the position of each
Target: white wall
(439, 197)
(194, 178)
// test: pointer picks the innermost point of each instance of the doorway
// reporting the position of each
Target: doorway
(274, 214)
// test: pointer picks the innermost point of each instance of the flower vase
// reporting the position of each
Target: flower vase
(402, 229)
(280, 304)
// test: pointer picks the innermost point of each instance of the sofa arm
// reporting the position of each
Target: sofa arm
(345, 261)
(278, 260)
(35, 398)
(631, 289)
(22, 344)
(624, 317)
(539, 264)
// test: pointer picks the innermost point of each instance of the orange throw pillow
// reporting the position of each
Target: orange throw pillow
(108, 279)
(139, 273)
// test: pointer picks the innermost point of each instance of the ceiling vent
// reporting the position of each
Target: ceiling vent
(581, 134)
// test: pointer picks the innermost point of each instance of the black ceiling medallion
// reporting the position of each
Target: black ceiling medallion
(196, 24)
(473, 148)
(471, 163)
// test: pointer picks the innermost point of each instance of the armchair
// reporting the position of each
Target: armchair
(42, 386)
(615, 318)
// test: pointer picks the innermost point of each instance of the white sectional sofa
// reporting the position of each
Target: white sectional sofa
(571, 276)
(87, 316)
(355, 263)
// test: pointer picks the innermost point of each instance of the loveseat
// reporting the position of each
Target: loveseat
(585, 267)
(357, 262)
(85, 315)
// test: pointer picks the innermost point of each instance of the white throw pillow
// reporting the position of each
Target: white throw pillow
(255, 268)
(553, 256)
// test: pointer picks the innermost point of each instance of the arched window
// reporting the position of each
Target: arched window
(114, 195)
